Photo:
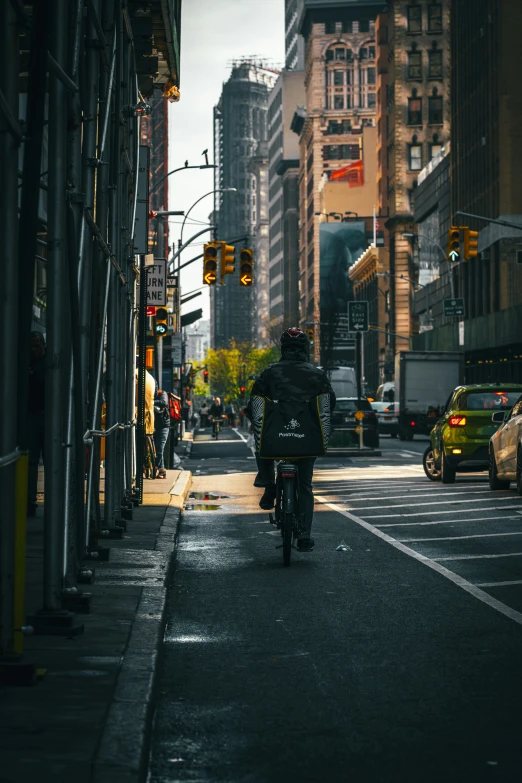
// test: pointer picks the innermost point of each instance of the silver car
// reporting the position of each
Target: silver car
(505, 449)
(388, 421)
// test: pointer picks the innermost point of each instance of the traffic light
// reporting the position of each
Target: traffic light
(161, 323)
(453, 251)
(226, 261)
(470, 243)
(205, 376)
(242, 389)
(246, 261)
(310, 333)
(210, 252)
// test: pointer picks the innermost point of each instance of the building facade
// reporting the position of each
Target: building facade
(197, 341)
(340, 84)
(283, 151)
(260, 245)
(294, 44)
(486, 180)
(240, 123)
(413, 123)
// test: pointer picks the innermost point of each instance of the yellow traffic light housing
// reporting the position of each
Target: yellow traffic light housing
(227, 261)
(470, 243)
(453, 251)
(246, 263)
(161, 322)
(210, 263)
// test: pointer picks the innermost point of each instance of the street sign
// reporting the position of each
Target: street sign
(157, 283)
(358, 317)
(151, 311)
(358, 430)
(454, 308)
(359, 415)
(176, 343)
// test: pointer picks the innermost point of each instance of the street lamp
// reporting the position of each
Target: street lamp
(349, 212)
(210, 193)
(336, 215)
(181, 168)
(323, 213)
(400, 277)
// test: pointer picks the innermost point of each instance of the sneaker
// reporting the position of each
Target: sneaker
(305, 544)
(268, 499)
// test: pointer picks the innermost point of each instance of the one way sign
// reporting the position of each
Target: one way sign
(358, 316)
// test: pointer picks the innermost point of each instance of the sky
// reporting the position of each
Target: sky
(213, 32)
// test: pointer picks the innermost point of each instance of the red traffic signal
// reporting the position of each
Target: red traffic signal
(205, 376)
(242, 389)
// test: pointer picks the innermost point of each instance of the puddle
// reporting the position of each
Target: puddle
(206, 496)
(201, 507)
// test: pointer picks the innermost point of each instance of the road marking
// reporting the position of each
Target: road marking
(500, 584)
(427, 494)
(234, 429)
(446, 521)
(427, 513)
(479, 557)
(459, 538)
(457, 580)
(431, 503)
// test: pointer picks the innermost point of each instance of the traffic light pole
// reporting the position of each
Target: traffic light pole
(359, 366)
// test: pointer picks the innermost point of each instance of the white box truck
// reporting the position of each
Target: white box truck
(424, 381)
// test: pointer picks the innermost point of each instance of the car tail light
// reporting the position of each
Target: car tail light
(288, 474)
(457, 421)
(413, 423)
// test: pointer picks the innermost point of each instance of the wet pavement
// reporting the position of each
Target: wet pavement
(358, 663)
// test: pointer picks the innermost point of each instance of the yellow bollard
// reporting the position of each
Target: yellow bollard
(21, 489)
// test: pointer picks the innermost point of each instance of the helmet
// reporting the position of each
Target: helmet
(294, 338)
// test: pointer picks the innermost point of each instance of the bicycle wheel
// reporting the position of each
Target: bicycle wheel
(287, 523)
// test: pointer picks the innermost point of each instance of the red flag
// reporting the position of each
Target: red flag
(353, 174)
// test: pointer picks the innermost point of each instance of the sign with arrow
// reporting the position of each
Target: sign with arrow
(454, 308)
(210, 278)
(246, 279)
(358, 316)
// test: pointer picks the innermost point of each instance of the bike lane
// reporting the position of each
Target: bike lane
(357, 664)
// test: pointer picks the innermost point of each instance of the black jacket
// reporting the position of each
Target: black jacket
(292, 378)
(161, 410)
(216, 411)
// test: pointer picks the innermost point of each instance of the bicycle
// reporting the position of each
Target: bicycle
(216, 426)
(286, 515)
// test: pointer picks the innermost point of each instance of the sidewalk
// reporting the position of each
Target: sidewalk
(88, 719)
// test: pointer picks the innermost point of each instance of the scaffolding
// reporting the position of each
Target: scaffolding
(71, 81)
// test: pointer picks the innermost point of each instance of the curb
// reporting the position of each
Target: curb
(123, 753)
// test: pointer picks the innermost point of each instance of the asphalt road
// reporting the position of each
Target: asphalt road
(396, 658)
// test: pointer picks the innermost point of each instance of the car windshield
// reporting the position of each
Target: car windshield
(352, 405)
(485, 401)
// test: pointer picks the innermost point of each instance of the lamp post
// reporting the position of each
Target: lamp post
(182, 168)
(326, 214)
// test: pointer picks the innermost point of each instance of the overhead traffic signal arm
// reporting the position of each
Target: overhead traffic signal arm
(246, 266)
(210, 263)
(226, 260)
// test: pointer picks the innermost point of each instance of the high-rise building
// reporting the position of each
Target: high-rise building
(413, 124)
(485, 176)
(283, 152)
(340, 79)
(260, 244)
(240, 123)
(294, 43)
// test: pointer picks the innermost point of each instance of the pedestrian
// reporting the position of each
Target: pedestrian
(35, 416)
(228, 413)
(203, 412)
(161, 429)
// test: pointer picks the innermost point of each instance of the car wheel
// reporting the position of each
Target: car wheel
(447, 472)
(402, 435)
(519, 471)
(410, 435)
(494, 481)
(393, 434)
(430, 466)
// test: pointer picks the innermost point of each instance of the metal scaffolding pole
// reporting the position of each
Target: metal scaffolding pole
(57, 321)
(9, 58)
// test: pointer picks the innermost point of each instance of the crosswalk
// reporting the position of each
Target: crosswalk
(467, 533)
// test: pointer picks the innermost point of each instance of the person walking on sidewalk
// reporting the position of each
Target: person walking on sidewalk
(293, 378)
(161, 429)
(203, 412)
(35, 416)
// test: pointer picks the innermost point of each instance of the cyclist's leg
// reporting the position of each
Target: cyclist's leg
(306, 495)
(265, 472)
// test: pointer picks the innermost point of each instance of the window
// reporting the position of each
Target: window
(371, 100)
(329, 54)
(350, 152)
(371, 52)
(414, 19)
(435, 149)
(340, 54)
(414, 65)
(364, 26)
(338, 77)
(415, 157)
(371, 75)
(435, 111)
(338, 102)
(415, 111)
(435, 64)
(435, 18)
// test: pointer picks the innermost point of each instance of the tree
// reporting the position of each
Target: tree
(231, 368)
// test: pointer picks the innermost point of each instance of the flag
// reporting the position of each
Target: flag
(353, 174)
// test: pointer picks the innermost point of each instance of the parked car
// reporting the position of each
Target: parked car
(460, 439)
(505, 449)
(343, 418)
(386, 417)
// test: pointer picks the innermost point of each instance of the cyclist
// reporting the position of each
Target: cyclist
(215, 413)
(292, 378)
